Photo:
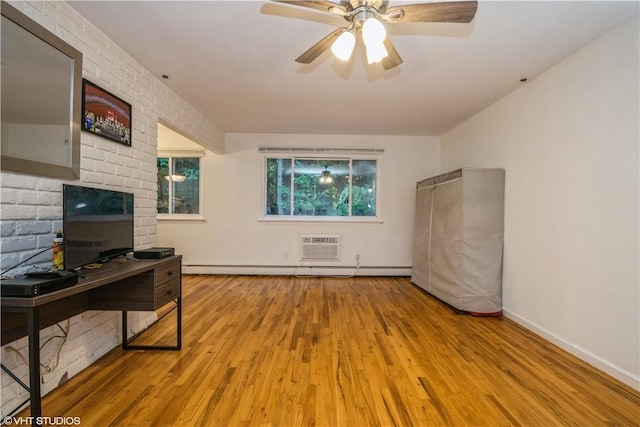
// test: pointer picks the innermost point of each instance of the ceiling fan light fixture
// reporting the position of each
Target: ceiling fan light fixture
(343, 47)
(373, 31)
(369, 18)
(376, 52)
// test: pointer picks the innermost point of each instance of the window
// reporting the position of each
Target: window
(321, 187)
(178, 185)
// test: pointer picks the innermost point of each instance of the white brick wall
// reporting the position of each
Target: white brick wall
(31, 207)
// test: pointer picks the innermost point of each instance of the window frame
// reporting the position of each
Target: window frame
(263, 217)
(176, 154)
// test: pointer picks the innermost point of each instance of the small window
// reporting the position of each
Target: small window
(321, 187)
(178, 185)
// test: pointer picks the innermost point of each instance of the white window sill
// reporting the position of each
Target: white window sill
(318, 219)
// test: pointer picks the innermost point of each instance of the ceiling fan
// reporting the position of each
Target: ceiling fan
(366, 17)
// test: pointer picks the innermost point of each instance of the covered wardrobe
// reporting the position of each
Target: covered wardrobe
(458, 239)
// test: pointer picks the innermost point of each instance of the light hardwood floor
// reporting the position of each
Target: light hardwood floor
(339, 352)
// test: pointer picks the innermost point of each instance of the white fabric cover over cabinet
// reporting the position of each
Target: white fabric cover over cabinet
(458, 238)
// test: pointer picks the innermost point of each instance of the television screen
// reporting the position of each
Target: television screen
(97, 225)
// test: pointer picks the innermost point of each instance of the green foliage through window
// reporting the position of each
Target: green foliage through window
(321, 187)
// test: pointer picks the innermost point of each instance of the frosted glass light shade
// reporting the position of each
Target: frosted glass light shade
(343, 47)
(373, 31)
(175, 178)
(325, 177)
(376, 52)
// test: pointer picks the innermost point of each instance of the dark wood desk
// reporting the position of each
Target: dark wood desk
(120, 285)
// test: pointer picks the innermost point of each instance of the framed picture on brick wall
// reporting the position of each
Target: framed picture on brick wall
(105, 114)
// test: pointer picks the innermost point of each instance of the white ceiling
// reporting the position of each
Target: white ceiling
(234, 61)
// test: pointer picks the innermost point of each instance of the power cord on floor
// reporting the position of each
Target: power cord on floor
(347, 276)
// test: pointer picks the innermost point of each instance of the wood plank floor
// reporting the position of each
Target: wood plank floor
(287, 351)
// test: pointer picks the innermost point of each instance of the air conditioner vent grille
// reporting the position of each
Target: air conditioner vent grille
(320, 247)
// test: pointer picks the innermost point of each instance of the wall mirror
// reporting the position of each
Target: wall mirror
(41, 99)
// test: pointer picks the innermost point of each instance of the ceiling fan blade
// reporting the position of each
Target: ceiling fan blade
(317, 49)
(323, 5)
(393, 59)
(455, 11)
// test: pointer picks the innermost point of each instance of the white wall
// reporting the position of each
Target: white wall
(31, 206)
(232, 234)
(569, 141)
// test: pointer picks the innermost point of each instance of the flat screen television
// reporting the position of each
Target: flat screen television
(97, 225)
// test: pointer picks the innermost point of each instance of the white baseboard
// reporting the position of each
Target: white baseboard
(268, 270)
(605, 366)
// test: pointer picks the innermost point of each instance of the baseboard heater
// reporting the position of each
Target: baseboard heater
(290, 270)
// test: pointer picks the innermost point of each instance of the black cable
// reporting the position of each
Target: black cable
(22, 262)
(51, 339)
(64, 335)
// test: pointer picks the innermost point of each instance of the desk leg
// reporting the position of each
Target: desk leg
(179, 325)
(33, 326)
(125, 336)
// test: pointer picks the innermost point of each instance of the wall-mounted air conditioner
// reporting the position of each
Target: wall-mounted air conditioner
(320, 247)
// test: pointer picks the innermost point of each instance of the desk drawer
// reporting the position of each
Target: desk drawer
(167, 292)
(167, 272)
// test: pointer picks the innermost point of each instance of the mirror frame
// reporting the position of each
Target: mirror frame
(35, 167)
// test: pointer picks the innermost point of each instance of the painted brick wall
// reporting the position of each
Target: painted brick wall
(31, 207)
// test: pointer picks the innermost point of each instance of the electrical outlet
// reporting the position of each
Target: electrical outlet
(358, 257)
(286, 254)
